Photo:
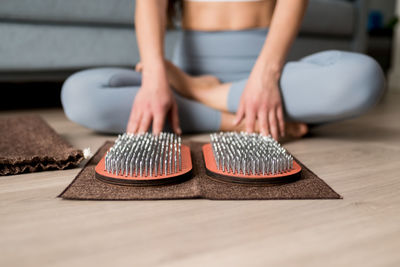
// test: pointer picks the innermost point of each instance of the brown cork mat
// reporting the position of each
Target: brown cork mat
(86, 187)
(29, 144)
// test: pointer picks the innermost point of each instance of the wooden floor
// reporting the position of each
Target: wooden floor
(359, 158)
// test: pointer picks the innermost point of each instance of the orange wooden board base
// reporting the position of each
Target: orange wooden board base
(103, 175)
(213, 171)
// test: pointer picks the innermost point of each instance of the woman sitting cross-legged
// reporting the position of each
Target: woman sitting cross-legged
(229, 72)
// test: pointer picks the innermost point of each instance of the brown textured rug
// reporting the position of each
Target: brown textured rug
(86, 187)
(29, 144)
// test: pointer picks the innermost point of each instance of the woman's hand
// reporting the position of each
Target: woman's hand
(153, 103)
(261, 98)
(261, 101)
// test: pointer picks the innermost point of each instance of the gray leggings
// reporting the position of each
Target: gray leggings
(323, 87)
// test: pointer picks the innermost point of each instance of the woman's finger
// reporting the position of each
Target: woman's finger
(263, 122)
(239, 114)
(134, 121)
(273, 124)
(158, 122)
(145, 122)
(175, 119)
(250, 118)
(281, 120)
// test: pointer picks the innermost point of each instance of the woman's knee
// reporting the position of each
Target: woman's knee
(77, 93)
(355, 84)
(87, 97)
(364, 83)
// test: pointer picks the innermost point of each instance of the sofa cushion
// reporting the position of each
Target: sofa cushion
(330, 17)
(70, 11)
(38, 47)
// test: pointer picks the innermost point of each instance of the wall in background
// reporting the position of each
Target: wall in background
(387, 7)
(394, 74)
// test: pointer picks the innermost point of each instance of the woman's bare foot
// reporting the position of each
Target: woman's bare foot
(184, 84)
(296, 129)
(293, 130)
(206, 89)
(193, 87)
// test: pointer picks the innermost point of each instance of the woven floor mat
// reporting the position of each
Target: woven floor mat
(29, 144)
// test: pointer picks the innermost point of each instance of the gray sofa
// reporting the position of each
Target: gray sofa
(49, 39)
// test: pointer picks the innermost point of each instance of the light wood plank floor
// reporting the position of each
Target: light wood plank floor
(359, 158)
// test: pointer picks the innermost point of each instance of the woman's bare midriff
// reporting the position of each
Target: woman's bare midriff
(225, 16)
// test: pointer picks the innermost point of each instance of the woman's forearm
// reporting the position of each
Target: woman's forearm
(155, 99)
(150, 20)
(284, 27)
